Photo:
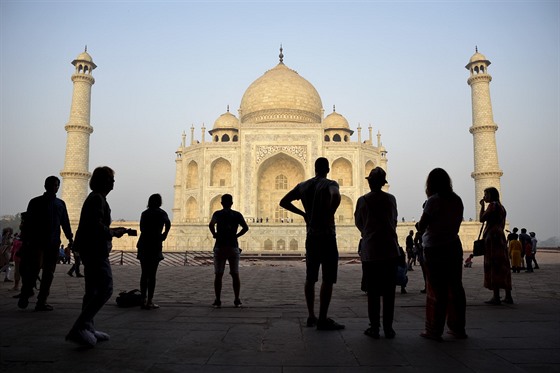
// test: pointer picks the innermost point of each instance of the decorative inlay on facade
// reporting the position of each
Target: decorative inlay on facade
(264, 151)
(276, 115)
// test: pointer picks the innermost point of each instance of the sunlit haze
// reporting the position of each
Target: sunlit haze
(397, 66)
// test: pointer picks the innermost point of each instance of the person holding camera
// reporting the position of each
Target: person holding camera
(93, 241)
(152, 222)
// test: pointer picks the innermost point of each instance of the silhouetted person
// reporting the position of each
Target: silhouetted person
(224, 227)
(154, 227)
(44, 218)
(443, 258)
(526, 249)
(93, 241)
(534, 242)
(75, 268)
(320, 198)
(410, 249)
(376, 218)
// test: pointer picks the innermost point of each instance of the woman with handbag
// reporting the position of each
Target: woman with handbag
(443, 258)
(497, 270)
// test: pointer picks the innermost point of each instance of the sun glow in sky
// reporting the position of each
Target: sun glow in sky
(397, 66)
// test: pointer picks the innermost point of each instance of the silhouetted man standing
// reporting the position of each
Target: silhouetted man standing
(223, 226)
(44, 217)
(320, 198)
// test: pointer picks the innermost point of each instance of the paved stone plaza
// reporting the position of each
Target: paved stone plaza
(269, 335)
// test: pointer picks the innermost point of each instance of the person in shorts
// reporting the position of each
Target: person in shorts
(320, 198)
(224, 227)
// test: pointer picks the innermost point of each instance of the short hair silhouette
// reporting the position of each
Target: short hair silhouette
(154, 200)
(322, 165)
(51, 181)
(100, 178)
(227, 199)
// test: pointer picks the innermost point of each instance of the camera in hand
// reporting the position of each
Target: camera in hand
(131, 232)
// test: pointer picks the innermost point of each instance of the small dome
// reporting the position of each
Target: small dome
(281, 94)
(335, 120)
(477, 57)
(226, 120)
(84, 56)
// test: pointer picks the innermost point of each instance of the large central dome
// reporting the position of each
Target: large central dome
(281, 95)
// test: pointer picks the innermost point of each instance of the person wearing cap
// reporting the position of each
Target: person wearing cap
(320, 198)
(443, 255)
(376, 218)
(224, 227)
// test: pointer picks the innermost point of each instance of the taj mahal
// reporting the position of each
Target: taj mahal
(261, 152)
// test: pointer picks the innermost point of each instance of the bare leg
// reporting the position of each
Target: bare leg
(310, 298)
(325, 300)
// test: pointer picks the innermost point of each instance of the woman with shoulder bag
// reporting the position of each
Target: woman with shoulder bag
(497, 270)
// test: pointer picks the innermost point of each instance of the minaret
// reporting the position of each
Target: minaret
(75, 174)
(487, 171)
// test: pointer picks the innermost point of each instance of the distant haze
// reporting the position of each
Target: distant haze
(397, 66)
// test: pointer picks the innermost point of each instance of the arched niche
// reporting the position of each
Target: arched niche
(370, 165)
(215, 204)
(192, 175)
(341, 172)
(268, 244)
(191, 210)
(268, 196)
(345, 211)
(220, 173)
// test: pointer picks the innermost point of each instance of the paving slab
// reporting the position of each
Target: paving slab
(268, 334)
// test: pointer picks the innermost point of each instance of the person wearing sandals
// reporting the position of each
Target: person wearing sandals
(497, 270)
(154, 227)
(320, 198)
(443, 258)
(376, 218)
(224, 227)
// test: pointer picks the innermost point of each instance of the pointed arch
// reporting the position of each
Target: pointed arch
(192, 175)
(345, 211)
(268, 244)
(341, 172)
(268, 196)
(293, 244)
(191, 210)
(370, 165)
(215, 205)
(220, 173)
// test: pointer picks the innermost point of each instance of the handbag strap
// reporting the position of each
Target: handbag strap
(481, 228)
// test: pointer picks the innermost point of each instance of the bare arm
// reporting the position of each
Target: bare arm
(335, 197)
(286, 202)
(212, 226)
(244, 228)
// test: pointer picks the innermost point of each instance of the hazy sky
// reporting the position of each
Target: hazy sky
(399, 66)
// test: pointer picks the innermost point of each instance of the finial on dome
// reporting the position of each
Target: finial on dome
(334, 109)
(228, 108)
(476, 48)
(281, 55)
(85, 49)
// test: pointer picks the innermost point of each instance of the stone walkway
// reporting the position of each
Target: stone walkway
(269, 335)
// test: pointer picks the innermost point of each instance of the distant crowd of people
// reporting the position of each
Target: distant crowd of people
(435, 247)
